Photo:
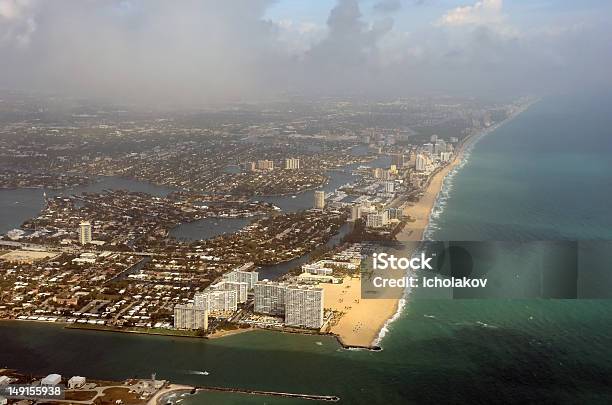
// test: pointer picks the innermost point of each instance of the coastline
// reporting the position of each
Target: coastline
(351, 331)
(161, 396)
(365, 322)
(362, 320)
(422, 210)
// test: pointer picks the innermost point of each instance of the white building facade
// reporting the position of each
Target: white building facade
(304, 306)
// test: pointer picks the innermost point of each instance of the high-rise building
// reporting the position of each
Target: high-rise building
(378, 219)
(355, 212)
(201, 300)
(429, 148)
(397, 159)
(433, 138)
(292, 163)
(241, 289)
(439, 147)
(395, 213)
(85, 232)
(377, 172)
(304, 306)
(389, 187)
(242, 276)
(270, 297)
(445, 156)
(265, 164)
(421, 163)
(217, 302)
(190, 316)
(319, 199)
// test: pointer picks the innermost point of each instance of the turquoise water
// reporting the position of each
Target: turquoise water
(545, 175)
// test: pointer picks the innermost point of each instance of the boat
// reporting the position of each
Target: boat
(199, 372)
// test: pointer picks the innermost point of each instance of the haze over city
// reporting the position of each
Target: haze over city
(190, 53)
(281, 201)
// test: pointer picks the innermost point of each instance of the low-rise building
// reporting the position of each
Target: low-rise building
(51, 379)
(76, 382)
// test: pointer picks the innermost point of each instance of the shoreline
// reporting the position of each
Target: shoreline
(417, 230)
(423, 209)
(365, 322)
(361, 320)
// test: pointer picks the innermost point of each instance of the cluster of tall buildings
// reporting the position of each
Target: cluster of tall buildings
(375, 218)
(300, 305)
(292, 164)
(422, 162)
(384, 174)
(265, 164)
(217, 300)
(439, 147)
(220, 299)
(436, 148)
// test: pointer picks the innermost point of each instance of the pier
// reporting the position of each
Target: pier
(313, 397)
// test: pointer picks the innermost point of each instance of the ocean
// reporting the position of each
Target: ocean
(545, 175)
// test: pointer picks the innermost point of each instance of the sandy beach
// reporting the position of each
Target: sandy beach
(362, 319)
(420, 211)
(230, 332)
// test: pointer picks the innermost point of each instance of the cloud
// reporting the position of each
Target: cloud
(17, 23)
(388, 6)
(197, 52)
(349, 54)
(174, 52)
(480, 13)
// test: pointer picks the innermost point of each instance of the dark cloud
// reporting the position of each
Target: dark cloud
(348, 59)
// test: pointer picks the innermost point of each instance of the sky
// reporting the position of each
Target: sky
(199, 52)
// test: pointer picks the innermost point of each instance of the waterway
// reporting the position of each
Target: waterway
(546, 176)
